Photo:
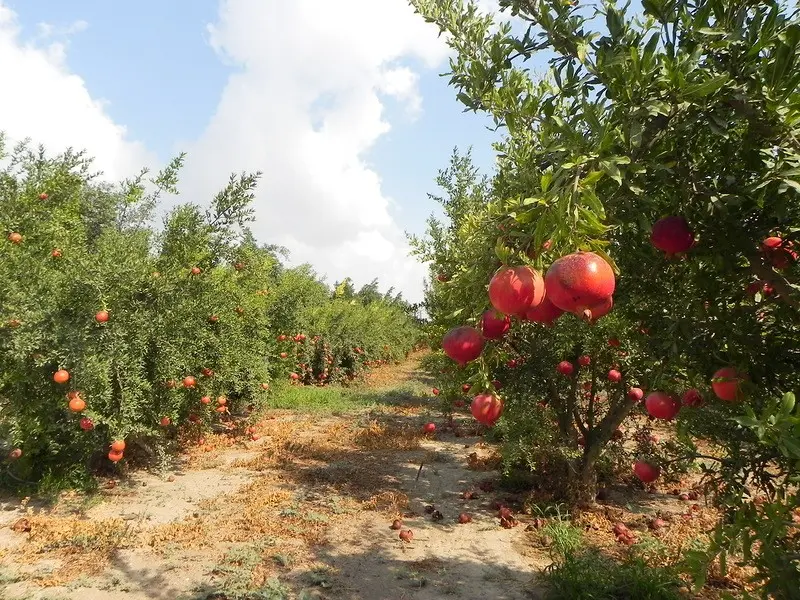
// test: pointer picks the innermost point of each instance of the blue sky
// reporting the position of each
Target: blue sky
(135, 83)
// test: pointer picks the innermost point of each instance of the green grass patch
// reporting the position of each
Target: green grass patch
(319, 399)
(593, 576)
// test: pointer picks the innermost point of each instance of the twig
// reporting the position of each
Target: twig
(420, 471)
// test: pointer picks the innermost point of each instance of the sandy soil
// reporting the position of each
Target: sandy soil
(302, 512)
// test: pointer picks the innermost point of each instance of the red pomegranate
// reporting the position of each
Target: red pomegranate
(429, 428)
(443, 277)
(646, 472)
(584, 360)
(463, 344)
(672, 235)
(435, 391)
(495, 324)
(726, 382)
(546, 312)
(566, 368)
(580, 281)
(486, 408)
(779, 252)
(635, 394)
(614, 376)
(86, 424)
(513, 290)
(661, 405)
(614, 342)
(692, 397)
(497, 384)
(599, 310)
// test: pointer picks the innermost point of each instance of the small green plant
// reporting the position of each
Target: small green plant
(591, 576)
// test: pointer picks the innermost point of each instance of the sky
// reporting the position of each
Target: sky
(339, 104)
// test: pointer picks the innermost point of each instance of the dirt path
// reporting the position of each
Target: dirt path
(302, 512)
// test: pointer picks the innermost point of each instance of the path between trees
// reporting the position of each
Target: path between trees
(304, 511)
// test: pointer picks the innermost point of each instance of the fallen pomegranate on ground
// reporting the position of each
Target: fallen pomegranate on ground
(407, 535)
(464, 518)
(397, 524)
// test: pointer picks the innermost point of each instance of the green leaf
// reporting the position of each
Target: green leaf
(705, 88)
(611, 170)
(787, 403)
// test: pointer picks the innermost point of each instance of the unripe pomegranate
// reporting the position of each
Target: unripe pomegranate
(429, 428)
(646, 472)
(614, 376)
(494, 324)
(546, 312)
(672, 235)
(513, 290)
(579, 281)
(661, 406)
(726, 384)
(486, 408)
(463, 344)
(635, 394)
(584, 360)
(691, 397)
(566, 368)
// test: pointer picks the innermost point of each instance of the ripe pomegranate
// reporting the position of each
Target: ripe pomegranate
(580, 281)
(613, 342)
(294, 376)
(497, 384)
(635, 394)
(672, 235)
(646, 472)
(114, 456)
(118, 445)
(546, 312)
(486, 408)
(511, 363)
(726, 382)
(15, 238)
(599, 310)
(170, 384)
(213, 319)
(429, 428)
(15, 454)
(165, 421)
(779, 252)
(464, 518)
(239, 266)
(466, 387)
(614, 376)
(86, 424)
(494, 324)
(56, 253)
(435, 391)
(77, 404)
(513, 290)
(189, 381)
(101, 316)
(463, 344)
(620, 529)
(407, 535)
(661, 405)
(222, 400)
(396, 524)
(691, 397)
(265, 386)
(566, 368)
(657, 524)
(61, 376)
(43, 196)
(206, 372)
(13, 323)
(283, 355)
(584, 360)
(458, 403)
(281, 338)
(443, 277)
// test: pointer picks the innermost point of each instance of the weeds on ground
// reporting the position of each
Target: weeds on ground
(591, 576)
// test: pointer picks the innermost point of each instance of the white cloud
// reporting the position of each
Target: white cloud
(305, 106)
(44, 101)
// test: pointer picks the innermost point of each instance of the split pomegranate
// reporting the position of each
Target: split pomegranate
(486, 408)
(726, 384)
(580, 281)
(672, 235)
(661, 406)
(61, 376)
(494, 324)
(691, 397)
(463, 344)
(514, 290)
(407, 535)
(646, 472)
(546, 312)
(566, 368)
(429, 428)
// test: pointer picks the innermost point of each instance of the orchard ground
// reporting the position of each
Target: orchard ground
(302, 507)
